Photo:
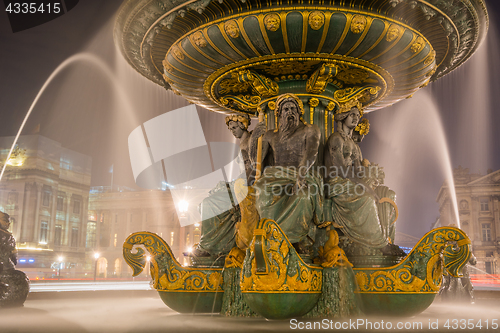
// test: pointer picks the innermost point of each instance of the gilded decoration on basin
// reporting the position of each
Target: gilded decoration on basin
(331, 255)
(430, 58)
(358, 24)
(272, 22)
(231, 28)
(177, 52)
(287, 68)
(383, 82)
(355, 76)
(316, 20)
(235, 258)
(394, 32)
(320, 78)
(198, 39)
(167, 66)
(167, 273)
(233, 86)
(418, 45)
(285, 270)
(421, 271)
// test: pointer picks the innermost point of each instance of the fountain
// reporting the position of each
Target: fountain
(316, 67)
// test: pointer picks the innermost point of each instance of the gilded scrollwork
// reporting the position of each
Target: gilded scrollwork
(167, 273)
(286, 271)
(320, 78)
(421, 271)
(316, 20)
(355, 76)
(243, 102)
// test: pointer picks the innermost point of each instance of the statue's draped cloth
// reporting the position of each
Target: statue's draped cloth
(219, 217)
(296, 212)
(357, 212)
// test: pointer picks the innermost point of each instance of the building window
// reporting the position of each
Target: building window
(115, 241)
(484, 205)
(91, 235)
(46, 199)
(171, 239)
(44, 232)
(486, 228)
(76, 207)
(57, 235)
(488, 267)
(74, 237)
(60, 204)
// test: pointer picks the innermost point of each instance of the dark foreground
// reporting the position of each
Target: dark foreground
(143, 311)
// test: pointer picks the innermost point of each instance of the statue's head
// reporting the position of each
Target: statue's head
(4, 221)
(289, 111)
(238, 124)
(350, 113)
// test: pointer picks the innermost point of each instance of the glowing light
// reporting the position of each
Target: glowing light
(183, 206)
(96, 255)
(61, 259)
(190, 249)
(148, 258)
(196, 224)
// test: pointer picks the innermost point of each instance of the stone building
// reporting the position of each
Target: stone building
(46, 194)
(114, 215)
(478, 208)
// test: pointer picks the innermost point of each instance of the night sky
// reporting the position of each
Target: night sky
(80, 108)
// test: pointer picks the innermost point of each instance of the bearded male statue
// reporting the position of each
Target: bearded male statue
(290, 190)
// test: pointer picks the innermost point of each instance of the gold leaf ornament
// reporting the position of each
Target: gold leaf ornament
(199, 39)
(316, 20)
(394, 32)
(272, 22)
(358, 24)
(231, 28)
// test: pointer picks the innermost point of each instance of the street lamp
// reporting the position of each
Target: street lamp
(96, 256)
(59, 270)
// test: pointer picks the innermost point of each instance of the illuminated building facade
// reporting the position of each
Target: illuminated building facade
(46, 194)
(113, 215)
(61, 222)
(478, 206)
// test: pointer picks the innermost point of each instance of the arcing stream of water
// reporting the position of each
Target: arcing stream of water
(80, 57)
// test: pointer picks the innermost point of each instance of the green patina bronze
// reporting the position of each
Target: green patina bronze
(339, 60)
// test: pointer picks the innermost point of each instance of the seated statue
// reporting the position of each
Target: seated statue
(228, 221)
(290, 190)
(14, 284)
(355, 202)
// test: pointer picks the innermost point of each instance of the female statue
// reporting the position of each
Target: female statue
(352, 194)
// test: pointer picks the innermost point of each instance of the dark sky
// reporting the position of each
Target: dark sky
(79, 108)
